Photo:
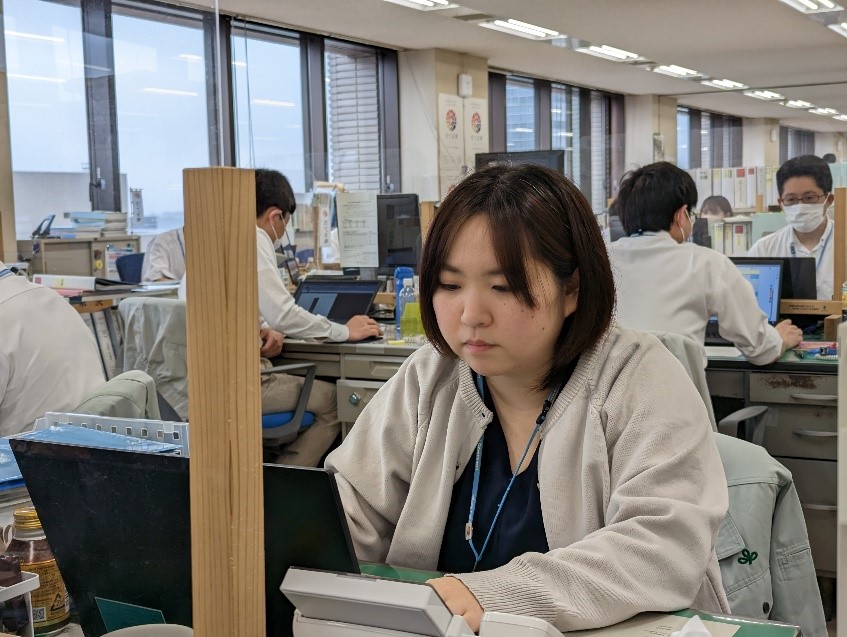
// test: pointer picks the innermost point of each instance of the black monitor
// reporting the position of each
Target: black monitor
(399, 231)
(799, 280)
(554, 159)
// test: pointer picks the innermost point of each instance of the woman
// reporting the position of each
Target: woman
(716, 208)
(590, 436)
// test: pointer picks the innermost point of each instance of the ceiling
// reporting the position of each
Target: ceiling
(760, 43)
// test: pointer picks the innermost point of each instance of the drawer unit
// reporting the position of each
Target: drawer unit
(726, 384)
(352, 396)
(803, 432)
(794, 389)
(816, 482)
(370, 367)
(325, 364)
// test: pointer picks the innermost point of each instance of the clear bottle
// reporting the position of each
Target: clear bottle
(401, 273)
(407, 295)
(50, 602)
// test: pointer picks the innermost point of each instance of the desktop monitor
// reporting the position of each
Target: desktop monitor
(399, 231)
(799, 280)
(765, 275)
(554, 159)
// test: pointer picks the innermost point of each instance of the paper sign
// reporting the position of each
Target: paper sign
(357, 229)
(476, 129)
(451, 142)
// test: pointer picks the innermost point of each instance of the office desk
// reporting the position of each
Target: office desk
(801, 432)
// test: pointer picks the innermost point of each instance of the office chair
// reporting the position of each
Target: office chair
(129, 267)
(762, 545)
(128, 395)
(155, 342)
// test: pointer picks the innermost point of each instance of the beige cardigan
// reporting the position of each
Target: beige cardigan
(632, 487)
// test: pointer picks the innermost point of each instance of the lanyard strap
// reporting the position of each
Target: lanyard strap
(548, 403)
(5, 272)
(819, 258)
(644, 233)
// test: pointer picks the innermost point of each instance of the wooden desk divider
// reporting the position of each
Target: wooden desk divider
(840, 242)
(227, 520)
(427, 215)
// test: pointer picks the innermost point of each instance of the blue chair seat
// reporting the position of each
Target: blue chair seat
(270, 421)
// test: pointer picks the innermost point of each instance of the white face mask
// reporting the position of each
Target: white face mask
(804, 217)
(277, 240)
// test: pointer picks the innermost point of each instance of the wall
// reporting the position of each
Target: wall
(643, 116)
(760, 142)
(8, 247)
(830, 143)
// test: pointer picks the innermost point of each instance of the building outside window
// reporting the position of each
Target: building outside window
(520, 115)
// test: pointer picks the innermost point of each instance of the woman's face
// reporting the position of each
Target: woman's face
(485, 324)
(713, 215)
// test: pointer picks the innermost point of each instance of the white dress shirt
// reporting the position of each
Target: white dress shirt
(666, 286)
(165, 257)
(48, 357)
(780, 244)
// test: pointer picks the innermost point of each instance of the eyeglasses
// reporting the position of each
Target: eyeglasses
(808, 198)
(691, 216)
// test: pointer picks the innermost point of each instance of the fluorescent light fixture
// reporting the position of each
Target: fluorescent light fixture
(609, 53)
(798, 104)
(522, 130)
(34, 36)
(239, 64)
(813, 6)
(266, 102)
(191, 57)
(840, 28)
(424, 5)
(169, 91)
(556, 111)
(676, 71)
(726, 85)
(563, 134)
(840, 118)
(37, 78)
(823, 111)
(764, 95)
(522, 29)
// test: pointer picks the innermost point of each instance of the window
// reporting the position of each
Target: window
(520, 115)
(707, 140)
(683, 124)
(268, 103)
(353, 116)
(161, 101)
(564, 114)
(794, 142)
(47, 112)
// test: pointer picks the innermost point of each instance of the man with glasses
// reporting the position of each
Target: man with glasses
(667, 284)
(805, 193)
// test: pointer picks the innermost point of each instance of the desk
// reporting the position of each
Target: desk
(802, 395)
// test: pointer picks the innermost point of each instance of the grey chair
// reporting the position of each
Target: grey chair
(155, 342)
(128, 395)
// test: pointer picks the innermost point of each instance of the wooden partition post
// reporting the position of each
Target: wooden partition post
(427, 215)
(840, 242)
(227, 521)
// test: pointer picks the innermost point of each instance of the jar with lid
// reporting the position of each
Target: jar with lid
(50, 603)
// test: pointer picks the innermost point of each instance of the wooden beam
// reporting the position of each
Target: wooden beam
(427, 215)
(840, 242)
(227, 522)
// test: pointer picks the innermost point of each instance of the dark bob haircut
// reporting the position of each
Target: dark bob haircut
(649, 197)
(273, 191)
(805, 166)
(716, 203)
(532, 212)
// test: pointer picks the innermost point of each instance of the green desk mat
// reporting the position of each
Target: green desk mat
(399, 573)
(748, 627)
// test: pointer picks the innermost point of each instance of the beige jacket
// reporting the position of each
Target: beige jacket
(632, 487)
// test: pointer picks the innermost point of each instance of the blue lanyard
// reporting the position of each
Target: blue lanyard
(643, 233)
(5, 272)
(548, 403)
(823, 249)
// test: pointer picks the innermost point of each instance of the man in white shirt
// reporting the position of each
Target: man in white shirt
(48, 357)
(164, 259)
(665, 283)
(805, 193)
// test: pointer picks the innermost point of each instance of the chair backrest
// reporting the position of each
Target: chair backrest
(128, 395)
(129, 267)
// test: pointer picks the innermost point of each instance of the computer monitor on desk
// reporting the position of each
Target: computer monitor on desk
(399, 231)
(799, 280)
(765, 275)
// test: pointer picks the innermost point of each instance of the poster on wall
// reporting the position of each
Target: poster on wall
(451, 142)
(476, 129)
(357, 229)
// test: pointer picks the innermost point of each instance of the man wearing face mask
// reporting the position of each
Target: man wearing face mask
(667, 284)
(805, 193)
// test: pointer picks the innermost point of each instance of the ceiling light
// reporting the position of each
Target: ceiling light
(840, 28)
(798, 104)
(823, 111)
(266, 102)
(424, 5)
(764, 95)
(37, 78)
(726, 85)
(34, 36)
(610, 53)
(813, 6)
(522, 29)
(190, 57)
(840, 118)
(676, 71)
(169, 91)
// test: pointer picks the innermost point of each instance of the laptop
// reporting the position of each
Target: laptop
(338, 301)
(765, 275)
(119, 525)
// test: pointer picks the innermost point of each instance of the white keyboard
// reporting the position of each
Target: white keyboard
(720, 351)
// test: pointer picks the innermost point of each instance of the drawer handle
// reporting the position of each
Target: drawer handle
(354, 399)
(812, 433)
(827, 397)
(819, 507)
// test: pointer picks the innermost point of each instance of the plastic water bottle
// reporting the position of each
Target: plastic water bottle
(401, 273)
(407, 295)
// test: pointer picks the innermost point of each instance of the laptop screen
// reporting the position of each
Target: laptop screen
(339, 301)
(765, 277)
(119, 525)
